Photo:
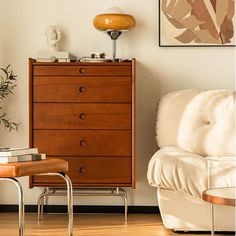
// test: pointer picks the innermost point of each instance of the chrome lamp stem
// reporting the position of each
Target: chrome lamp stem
(113, 50)
(114, 34)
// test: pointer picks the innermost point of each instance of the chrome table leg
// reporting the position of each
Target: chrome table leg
(69, 198)
(21, 203)
(212, 219)
(70, 202)
(40, 204)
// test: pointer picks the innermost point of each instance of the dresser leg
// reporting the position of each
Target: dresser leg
(123, 194)
(101, 192)
(126, 206)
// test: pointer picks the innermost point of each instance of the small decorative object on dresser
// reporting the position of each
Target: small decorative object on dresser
(85, 113)
(95, 57)
(114, 22)
(53, 36)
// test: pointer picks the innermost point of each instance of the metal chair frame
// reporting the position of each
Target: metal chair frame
(21, 201)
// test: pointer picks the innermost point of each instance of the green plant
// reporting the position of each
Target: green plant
(7, 85)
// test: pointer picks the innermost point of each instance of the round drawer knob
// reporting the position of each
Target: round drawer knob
(82, 116)
(82, 70)
(82, 89)
(82, 143)
(81, 170)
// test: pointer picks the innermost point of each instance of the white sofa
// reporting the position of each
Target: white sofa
(197, 140)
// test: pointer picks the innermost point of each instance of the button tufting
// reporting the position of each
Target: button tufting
(208, 122)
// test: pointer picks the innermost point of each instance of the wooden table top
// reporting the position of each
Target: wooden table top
(222, 196)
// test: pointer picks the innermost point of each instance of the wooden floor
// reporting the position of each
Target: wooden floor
(88, 225)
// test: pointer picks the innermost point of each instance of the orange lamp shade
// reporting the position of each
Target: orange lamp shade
(114, 22)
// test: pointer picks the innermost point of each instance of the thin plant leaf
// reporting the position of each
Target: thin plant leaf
(7, 85)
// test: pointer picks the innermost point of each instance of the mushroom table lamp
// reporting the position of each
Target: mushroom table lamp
(114, 22)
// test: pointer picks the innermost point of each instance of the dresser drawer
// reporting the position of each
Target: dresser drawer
(94, 170)
(82, 116)
(80, 70)
(81, 89)
(83, 142)
(85, 114)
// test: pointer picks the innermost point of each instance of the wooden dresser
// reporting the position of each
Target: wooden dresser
(85, 114)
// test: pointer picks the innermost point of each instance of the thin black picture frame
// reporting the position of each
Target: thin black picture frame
(184, 45)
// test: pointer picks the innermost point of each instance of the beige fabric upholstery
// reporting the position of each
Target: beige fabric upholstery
(201, 122)
(197, 139)
(184, 212)
(188, 173)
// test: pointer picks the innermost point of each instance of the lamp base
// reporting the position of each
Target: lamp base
(114, 34)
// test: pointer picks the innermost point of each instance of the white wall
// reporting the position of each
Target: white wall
(159, 70)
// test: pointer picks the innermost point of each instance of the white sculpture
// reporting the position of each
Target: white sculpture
(53, 36)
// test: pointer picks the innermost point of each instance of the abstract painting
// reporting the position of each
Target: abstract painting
(196, 23)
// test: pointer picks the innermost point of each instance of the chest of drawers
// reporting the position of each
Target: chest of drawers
(85, 114)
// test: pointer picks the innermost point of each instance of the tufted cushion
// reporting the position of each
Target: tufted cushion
(201, 122)
(189, 173)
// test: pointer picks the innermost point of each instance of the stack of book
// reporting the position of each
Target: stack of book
(57, 56)
(9, 155)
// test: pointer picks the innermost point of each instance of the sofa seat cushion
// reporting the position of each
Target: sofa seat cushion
(176, 169)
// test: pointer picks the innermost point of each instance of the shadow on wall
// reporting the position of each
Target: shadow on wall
(147, 96)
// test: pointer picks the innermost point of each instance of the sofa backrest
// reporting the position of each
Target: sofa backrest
(198, 121)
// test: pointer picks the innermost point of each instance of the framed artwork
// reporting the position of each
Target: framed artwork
(196, 23)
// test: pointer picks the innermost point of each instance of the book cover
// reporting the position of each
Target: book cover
(57, 54)
(44, 60)
(9, 152)
(22, 158)
(53, 60)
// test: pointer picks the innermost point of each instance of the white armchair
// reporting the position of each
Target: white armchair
(197, 140)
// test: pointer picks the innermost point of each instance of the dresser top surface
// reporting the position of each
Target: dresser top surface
(127, 63)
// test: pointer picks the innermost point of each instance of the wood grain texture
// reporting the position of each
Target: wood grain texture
(90, 225)
(83, 142)
(133, 122)
(19, 169)
(82, 116)
(222, 196)
(85, 110)
(30, 61)
(82, 89)
(83, 70)
(97, 170)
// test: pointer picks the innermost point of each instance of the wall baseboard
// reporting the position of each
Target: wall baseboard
(84, 209)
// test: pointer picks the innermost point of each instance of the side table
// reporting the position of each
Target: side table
(222, 196)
